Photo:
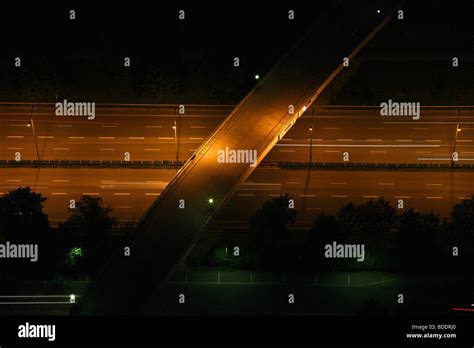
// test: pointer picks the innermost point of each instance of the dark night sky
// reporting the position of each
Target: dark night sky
(92, 47)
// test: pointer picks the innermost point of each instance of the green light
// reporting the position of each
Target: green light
(75, 256)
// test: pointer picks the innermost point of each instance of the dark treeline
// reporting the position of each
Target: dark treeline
(78, 247)
(395, 240)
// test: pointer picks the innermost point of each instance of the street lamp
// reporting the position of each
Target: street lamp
(311, 140)
(32, 125)
(175, 128)
(211, 201)
(458, 130)
(257, 77)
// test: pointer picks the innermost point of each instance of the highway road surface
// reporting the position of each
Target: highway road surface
(147, 133)
(131, 191)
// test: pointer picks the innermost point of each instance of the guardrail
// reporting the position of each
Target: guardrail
(365, 165)
(179, 164)
(91, 163)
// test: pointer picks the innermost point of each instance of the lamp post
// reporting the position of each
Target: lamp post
(311, 140)
(175, 128)
(32, 125)
(458, 130)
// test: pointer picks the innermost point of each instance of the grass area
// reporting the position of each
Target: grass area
(423, 295)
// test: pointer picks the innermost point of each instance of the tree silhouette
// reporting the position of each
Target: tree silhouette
(269, 225)
(22, 219)
(87, 229)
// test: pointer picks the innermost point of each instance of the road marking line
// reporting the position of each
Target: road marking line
(374, 140)
(403, 140)
(196, 138)
(15, 136)
(261, 183)
(121, 194)
(14, 148)
(402, 196)
(45, 137)
(339, 183)
(18, 125)
(61, 180)
(136, 138)
(332, 151)
(13, 180)
(154, 126)
(152, 194)
(377, 151)
(152, 150)
(385, 183)
(58, 193)
(433, 140)
(61, 148)
(76, 137)
(433, 184)
(106, 137)
(434, 197)
(287, 150)
(90, 193)
(433, 159)
(427, 122)
(370, 196)
(338, 196)
(331, 128)
(64, 125)
(198, 127)
(307, 195)
(106, 149)
(109, 126)
(362, 145)
(344, 139)
(165, 138)
(245, 194)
